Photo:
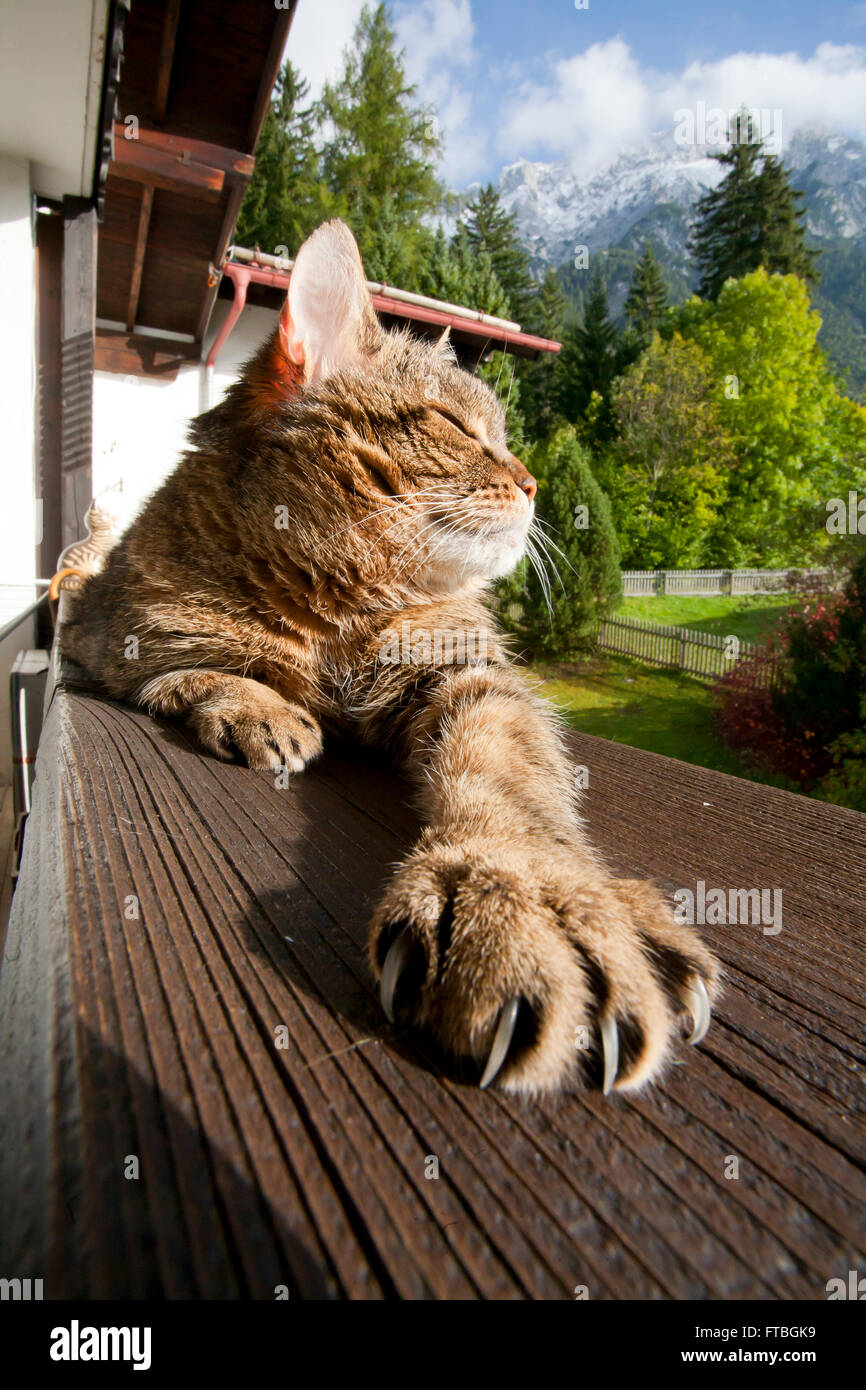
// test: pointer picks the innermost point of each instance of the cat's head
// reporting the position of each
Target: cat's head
(426, 440)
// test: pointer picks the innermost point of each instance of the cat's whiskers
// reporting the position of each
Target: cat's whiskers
(388, 531)
(545, 545)
(418, 540)
(448, 526)
(398, 496)
(538, 566)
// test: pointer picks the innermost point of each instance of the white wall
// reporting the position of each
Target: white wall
(17, 426)
(140, 423)
(17, 376)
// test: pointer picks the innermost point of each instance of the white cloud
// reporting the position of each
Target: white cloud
(592, 104)
(437, 36)
(827, 89)
(586, 106)
(318, 36)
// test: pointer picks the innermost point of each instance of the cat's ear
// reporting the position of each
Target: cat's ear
(328, 320)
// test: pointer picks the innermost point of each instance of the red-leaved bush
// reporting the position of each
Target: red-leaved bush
(816, 655)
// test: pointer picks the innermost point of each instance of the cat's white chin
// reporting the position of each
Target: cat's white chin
(458, 558)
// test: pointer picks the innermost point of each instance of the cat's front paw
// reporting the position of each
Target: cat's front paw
(258, 727)
(537, 974)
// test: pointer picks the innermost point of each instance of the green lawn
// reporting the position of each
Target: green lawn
(644, 707)
(747, 616)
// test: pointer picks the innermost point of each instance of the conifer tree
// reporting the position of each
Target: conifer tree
(558, 616)
(286, 198)
(588, 361)
(781, 211)
(539, 379)
(381, 146)
(752, 218)
(647, 298)
(458, 273)
(494, 231)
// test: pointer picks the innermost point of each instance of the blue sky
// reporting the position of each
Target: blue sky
(672, 33)
(547, 81)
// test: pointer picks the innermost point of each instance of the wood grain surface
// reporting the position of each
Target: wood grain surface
(155, 1038)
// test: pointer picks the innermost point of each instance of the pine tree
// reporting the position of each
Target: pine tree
(388, 256)
(751, 218)
(782, 213)
(588, 362)
(647, 298)
(382, 146)
(589, 584)
(286, 198)
(494, 231)
(539, 378)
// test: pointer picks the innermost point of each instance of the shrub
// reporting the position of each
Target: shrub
(845, 784)
(811, 725)
(557, 617)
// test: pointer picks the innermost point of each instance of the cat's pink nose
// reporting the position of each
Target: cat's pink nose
(522, 477)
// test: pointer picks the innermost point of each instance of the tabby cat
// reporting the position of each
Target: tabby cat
(320, 558)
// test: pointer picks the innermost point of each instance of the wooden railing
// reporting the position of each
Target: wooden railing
(185, 986)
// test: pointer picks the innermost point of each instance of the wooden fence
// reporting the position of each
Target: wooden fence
(651, 582)
(697, 653)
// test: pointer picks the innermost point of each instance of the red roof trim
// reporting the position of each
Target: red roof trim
(384, 304)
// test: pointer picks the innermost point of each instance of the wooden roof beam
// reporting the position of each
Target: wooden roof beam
(236, 165)
(166, 59)
(138, 258)
(282, 24)
(142, 163)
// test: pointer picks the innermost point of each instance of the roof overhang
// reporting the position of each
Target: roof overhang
(193, 94)
(52, 57)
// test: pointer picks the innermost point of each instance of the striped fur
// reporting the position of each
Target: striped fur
(319, 560)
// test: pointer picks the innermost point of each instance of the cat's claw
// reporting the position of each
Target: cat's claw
(395, 963)
(501, 1042)
(697, 1001)
(610, 1049)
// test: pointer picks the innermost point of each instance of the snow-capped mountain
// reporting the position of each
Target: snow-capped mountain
(557, 210)
(648, 194)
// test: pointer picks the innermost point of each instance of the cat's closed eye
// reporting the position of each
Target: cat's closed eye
(445, 414)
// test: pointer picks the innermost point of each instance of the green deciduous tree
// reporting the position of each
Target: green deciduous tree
(798, 440)
(667, 472)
